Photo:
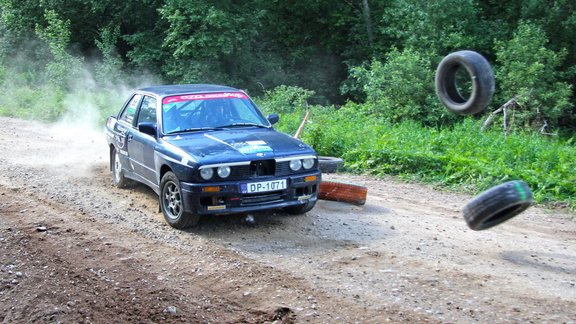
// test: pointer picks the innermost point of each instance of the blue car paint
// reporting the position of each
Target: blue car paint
(146, 158)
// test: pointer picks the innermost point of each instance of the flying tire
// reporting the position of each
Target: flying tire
(497, 205)
(481, 78)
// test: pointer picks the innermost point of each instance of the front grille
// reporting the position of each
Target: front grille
(239, 172)
(283, 168)
(262, 168)
(262, 198)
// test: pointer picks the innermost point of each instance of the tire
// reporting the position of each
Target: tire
(343, 192)
(329, 164)
(172, 204)
(481, 76)
(497, 205)
(300, 209)
(118, 177)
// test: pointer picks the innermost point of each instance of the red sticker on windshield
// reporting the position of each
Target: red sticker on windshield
(204, 96)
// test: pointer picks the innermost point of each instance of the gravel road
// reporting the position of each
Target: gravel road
(76, 249)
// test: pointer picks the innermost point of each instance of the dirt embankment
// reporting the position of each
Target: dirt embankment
(75, 249)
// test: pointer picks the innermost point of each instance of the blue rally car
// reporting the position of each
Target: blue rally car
(206, 150)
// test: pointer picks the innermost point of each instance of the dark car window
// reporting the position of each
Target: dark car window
(147, 112)
(130, 110)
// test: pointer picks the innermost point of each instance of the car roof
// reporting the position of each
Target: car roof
(164, 90)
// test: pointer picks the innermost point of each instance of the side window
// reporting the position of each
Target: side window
(130, 110)
(147, 110)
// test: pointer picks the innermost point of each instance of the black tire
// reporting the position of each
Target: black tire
(482, 80)
(328, 164)
(118, 177)
(497, 205)
(172, 204)
(300, 209)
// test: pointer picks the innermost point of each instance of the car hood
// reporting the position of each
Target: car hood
(223, 146)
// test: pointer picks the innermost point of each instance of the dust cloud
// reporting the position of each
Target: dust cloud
(76, 143)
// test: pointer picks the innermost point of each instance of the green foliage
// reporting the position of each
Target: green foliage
(204, 37)
(459, 157)
(435, 26)
(44, 103)
(64, 68)
(109, 70)
(286, 99)
(402, 88)
(530, 72)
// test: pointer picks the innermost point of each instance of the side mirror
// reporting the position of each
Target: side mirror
(273, 118)
(147, 128)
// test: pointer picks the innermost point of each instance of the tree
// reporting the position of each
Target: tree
(402, 88)
(204, 38)
(435, 26)
(529, 71)
(64, 68)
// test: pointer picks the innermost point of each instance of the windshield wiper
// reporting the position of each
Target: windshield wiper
(193, 129)
(243, 124)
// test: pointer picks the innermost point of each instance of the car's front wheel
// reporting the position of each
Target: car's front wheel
(172, 203)
(117, 173)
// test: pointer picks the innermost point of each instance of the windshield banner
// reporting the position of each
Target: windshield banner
(204, 96)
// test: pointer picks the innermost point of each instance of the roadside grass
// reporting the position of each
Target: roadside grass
(50, 104)
(461, 157)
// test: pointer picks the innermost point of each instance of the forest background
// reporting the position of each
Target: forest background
(364, 69)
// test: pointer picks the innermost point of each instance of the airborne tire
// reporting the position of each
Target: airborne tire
(344, 192)
(481, 76)
(497, 205)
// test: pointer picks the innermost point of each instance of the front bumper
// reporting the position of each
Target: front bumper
(226, 197)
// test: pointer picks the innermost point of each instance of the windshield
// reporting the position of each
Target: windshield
(210, 111)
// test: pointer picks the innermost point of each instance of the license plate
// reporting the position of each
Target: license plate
(263, 186)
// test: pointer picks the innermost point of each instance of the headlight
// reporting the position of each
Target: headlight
(308, 163)
(295, 165)
(207, 173)
(223, 171)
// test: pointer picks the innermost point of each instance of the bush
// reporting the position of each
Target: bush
(461, 156)
(402, 89)
(529, 72)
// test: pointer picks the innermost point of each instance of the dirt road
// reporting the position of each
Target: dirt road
(73, 248)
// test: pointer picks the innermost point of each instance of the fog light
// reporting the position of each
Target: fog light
(223, 171)
(207, 173)
(308, 163)
(211, 189)
(295, 165)
(310, 178)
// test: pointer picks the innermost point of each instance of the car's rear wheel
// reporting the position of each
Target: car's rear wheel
(117, 173)
(300, 209)
(172, 203)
